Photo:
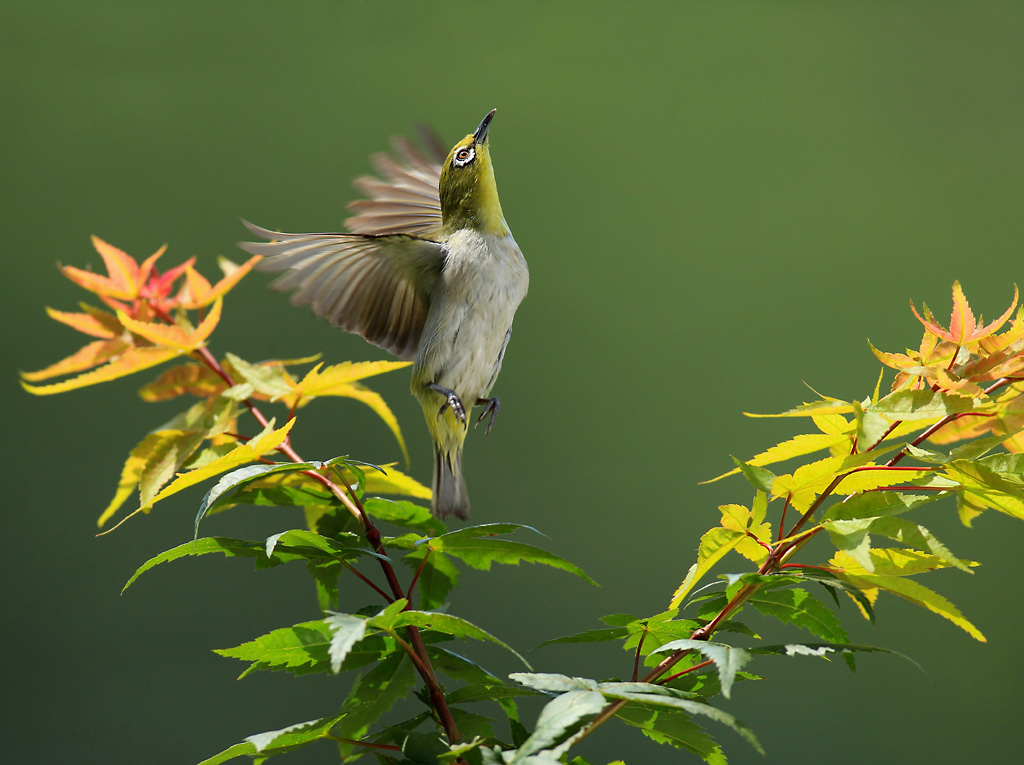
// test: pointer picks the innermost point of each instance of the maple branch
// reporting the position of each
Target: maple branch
(782, 520)
(347, 497)
(416, 576)
(636, 660)
(359, 574)
(1000, 383)
(695, 667)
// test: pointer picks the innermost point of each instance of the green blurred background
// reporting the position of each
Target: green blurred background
(718, 201)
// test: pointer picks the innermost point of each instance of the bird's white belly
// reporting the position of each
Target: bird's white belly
(471, 316)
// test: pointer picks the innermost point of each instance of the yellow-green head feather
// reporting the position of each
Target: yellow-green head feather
(469, 195)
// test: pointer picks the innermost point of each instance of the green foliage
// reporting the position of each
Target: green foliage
(863, 480)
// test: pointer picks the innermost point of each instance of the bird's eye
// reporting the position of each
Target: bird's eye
(464, 156)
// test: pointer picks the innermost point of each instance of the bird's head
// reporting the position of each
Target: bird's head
(469, 195)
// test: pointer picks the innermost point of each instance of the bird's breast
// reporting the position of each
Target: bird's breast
(482, 283)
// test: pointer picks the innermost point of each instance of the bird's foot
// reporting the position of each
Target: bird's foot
(491, 406)
(451, 400)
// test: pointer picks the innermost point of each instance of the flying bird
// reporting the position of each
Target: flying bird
(429, 272)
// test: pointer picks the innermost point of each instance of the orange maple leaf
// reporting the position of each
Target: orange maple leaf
(963, 328)
(125, 277)
(196, 292)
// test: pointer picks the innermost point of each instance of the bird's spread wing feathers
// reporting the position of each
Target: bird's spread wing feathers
(377, 286)
(406, 200)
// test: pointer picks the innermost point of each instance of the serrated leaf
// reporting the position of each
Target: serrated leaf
(558, 720)
(447, 624)
(879, 504)
(394, 481)
(758, 477)
(290, 736)
(925, 405)
(403, 513)
(321, 381)
(270, 380)
(303, 649)
(835, 584)
(460, 668)
(797, 446)
(268, 440)
(85, 357)
(477, 547)
(589, 636)
(289, 490)
(180, 337)
(852, 538)
(197, 292)
(166, 456)
(95, 323)
(981, 488)
(918, 594)
(230, 548)
(801, 609)
(346, 631)
(374, 694)
(825, 650)
(657, 630)
(728, 660)
(553, 682)
(915, 535)
(673, 727)
(713, 546)
(124, 276)
(231, 484)
(831, 406)
(659, 695)
(471, 693)
(129, 362)
(300, 648)
(131, 472)
(340, 380)
(342, 544)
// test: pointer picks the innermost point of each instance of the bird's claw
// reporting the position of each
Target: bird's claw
(451, 399)
(491, 406)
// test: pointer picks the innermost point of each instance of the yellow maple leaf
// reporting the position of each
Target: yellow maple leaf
(267, 440)
(85, 357)
(340, 380)
(131, 361)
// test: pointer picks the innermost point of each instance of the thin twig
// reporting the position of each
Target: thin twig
(636, 660)
(359, 574)
(686, 671)
(416, 576)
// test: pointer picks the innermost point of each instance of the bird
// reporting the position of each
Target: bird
(428, 271)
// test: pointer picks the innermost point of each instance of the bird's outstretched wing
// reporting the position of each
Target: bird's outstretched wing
(404, 200)
(377, 286)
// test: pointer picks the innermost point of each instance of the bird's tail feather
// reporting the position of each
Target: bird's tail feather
(450, 497)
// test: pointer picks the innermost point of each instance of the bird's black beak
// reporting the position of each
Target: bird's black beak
(480, 134)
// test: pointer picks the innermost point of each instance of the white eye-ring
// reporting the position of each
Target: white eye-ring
(464, 156)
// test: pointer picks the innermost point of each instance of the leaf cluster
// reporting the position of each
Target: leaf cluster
(861, 480)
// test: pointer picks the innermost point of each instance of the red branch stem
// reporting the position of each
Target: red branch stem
(416, 647)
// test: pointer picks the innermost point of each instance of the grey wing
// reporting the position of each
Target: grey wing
(404, 200)
(375, 286)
